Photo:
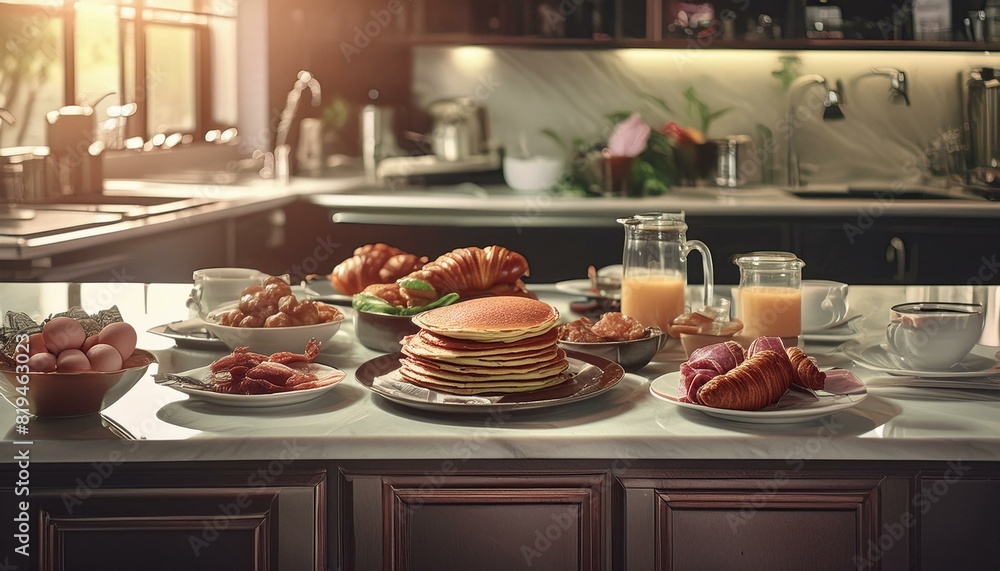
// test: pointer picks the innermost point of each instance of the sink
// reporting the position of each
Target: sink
(880, 194)
(126, 206)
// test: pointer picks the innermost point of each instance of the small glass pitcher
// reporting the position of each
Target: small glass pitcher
(655, 267)
(769, 297)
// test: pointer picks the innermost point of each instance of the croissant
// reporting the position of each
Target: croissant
(752, 385)
(373, 264)
(472, 272)
(806, 372)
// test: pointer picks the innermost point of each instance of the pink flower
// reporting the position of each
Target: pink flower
(629, 137)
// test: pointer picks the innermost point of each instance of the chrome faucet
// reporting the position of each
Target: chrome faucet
(5, 117)
(832, 111)
(897, 83)
(282, 151)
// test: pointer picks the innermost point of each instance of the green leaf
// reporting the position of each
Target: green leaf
(442, 301)
(658, 101)
(414, 284)
(551, 134)
(372, 304)
(618, 116)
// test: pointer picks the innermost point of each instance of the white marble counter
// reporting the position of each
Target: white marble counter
(348, 422)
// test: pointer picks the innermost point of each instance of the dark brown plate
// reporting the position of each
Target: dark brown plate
(591, 376)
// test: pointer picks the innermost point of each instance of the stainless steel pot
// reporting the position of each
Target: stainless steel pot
(459, 129)
(982, 122)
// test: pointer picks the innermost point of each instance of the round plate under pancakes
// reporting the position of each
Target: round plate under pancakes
(490, 319)
(590, 376)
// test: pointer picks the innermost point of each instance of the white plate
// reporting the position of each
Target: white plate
(189, 334)
(794, 406)
(877, 357)
(837, 333)
(582, 287)
(254, 401)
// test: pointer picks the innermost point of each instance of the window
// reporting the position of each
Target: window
(175, 60)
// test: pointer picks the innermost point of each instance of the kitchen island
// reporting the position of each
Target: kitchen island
(907, 478)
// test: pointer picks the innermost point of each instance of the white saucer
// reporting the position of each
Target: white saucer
(878, 357)
(794, 406)
(839, 332)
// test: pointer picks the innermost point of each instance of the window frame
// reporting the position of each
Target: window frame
(142, 16)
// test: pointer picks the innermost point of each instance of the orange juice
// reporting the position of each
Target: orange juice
(653, 300)
(771, 311)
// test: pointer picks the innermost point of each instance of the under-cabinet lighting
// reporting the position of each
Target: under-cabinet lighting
(472, 58)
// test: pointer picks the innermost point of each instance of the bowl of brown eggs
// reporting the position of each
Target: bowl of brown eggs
(62, 371)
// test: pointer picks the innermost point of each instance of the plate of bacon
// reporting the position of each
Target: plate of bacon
(248, 379)
(765, 383)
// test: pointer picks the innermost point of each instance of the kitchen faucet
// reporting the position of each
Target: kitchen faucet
(282, 151)
(897, 83)
(5, 117)
(832, 111)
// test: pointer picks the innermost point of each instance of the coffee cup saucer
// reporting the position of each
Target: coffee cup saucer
(842, 330)
(878, 357)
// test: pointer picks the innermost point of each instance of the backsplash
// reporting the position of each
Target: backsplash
(570, 91)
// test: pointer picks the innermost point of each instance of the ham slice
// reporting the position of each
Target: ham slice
(707, 363)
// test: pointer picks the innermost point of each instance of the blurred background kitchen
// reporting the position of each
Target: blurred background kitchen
(232, 133)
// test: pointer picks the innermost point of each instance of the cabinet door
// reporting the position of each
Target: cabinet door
(417, 522)
(276, 525)
(958, 523)
(845, 252)
(777, 523)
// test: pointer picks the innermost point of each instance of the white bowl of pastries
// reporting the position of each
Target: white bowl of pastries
(269, 318)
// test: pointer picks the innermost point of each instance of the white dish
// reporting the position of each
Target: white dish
(877, 357)
(583, 287)
(255, 401)
(837, 333)
(269, 340)
(794, 406)
(189, 334)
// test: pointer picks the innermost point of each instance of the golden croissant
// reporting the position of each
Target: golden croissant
(468, 271)
(752, 385)
(806, 372)
(373, 264)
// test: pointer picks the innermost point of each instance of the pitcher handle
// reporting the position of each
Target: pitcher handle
(706, 261)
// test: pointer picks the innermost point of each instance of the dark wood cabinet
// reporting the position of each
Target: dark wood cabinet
(958, 522)
(476, 521)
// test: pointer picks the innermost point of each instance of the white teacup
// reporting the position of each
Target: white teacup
(934, 335)
(216, 286)
(824, 304)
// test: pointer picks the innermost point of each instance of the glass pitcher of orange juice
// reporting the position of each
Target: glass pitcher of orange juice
(769, 297)
(655, 267)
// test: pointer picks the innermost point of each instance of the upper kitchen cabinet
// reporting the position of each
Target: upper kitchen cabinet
(971, 25)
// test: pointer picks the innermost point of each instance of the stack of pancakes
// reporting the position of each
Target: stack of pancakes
(486, 345)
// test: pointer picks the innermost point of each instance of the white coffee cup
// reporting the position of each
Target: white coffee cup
(934, 335)
(824, 304)
(217, 286)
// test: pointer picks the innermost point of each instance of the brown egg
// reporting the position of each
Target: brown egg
(121, 336)
(36, 344)
(104, 358)
(63, 333)
(90, 342)
(42, 363)
(72, 361)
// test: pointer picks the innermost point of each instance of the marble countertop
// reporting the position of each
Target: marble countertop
(155, 423)
(351, 195)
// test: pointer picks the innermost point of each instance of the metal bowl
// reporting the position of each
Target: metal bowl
(631, 355)
(381, 332)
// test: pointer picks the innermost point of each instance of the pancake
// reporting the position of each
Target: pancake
(430, 345)
(501, 360)
(448, 369)
(433, 372)
(490, 319)
(500, 388)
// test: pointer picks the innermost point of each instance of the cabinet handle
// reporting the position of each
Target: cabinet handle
(896, 252)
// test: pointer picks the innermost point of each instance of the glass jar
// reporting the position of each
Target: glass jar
(769, 297)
